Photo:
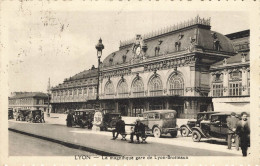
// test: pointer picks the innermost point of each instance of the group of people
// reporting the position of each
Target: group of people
(240, 130)
(138, 130)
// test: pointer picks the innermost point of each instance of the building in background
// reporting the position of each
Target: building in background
(28, 100)
(76, 92)
(166, 69)
(230, 78)
(186, 67)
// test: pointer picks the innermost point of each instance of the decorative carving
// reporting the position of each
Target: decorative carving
(124, 58)
(137, 76)
(225, 61)
(216, 42)
(157, 48)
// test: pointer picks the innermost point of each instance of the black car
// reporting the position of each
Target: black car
(109, 120)
(22, 115)
(216, 127)
(82, 118)
(186, 129)
(35, 116)
(10, 113)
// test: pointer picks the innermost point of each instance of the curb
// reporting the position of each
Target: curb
(67, 144)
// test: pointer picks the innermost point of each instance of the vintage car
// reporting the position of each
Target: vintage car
(109, 120)
(10, 113)
(160, 122)
(216, 127)
(22, 115)
(82, 118)
(186, 129)
(35, 116)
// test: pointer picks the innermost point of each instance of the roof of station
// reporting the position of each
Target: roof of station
(197, 28)
(29, 95)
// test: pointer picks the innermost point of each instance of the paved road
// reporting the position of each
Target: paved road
(103, 142)
(23, 145)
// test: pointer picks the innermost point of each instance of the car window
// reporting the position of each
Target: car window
(145, 116)
(157, 116)
(151, 115)
(215, 118)
(169, 115)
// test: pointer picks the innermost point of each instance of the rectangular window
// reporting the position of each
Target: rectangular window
(217, 89)
(235, 88)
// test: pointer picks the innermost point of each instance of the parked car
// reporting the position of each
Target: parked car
(10, 113)
(186, 129)
(160, 122)
(34, 116)
(109, 120)
(83, 117)
(22, 115)
(215, 128)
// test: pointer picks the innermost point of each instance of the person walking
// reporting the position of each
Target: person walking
(69, 119)
(120, 128)
(232, 125)
(243, 131)
(139, 130)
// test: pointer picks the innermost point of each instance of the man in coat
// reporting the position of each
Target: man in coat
(232, 125)
(243, 131)
(69, 119)
(120, 128)
(139, 130)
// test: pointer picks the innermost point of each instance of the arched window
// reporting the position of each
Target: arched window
(176, 85)
(109, 89)
(138, 88)
(122, 89)
(155, 86)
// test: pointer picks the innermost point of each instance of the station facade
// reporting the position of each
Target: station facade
(186, 67)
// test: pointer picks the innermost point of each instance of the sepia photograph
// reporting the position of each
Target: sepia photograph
(128, 83)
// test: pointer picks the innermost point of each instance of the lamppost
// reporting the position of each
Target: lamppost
(99, 48)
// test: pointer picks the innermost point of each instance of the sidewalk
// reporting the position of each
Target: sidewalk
(101, 141)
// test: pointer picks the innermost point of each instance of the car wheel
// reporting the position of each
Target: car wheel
(157, 132)
(196, 136)
(174, 134)
(185, 132)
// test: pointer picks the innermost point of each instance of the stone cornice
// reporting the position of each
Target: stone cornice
(229, 66)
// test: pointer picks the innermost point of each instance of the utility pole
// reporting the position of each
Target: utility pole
(48, 93)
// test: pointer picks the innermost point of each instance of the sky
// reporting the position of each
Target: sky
(57, 45)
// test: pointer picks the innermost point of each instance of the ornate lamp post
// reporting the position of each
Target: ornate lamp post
(99, 48)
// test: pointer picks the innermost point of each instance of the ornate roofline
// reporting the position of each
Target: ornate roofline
(185, 24)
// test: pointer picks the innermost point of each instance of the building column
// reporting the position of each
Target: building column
(244, 81)
(225, 82)
(130, 108)
(116, 106)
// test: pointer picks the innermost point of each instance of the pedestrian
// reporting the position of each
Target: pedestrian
(42, 117)
(243, 131)
(139, 130)
(231, 133)
(69, 119)
(120, 128)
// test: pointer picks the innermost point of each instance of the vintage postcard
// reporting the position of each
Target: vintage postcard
(129, 82)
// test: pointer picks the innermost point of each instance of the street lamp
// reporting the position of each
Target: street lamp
(99, 48)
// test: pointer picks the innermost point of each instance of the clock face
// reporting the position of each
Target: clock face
(138, 50)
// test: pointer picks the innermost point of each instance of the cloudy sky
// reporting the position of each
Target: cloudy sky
(60, 44)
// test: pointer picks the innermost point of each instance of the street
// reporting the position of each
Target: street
(23, 145)
(102, 142)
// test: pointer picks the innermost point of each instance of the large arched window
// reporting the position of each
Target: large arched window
(138, 88)
(155, 86)
(176, 85)
(109, 89)
(122, 89)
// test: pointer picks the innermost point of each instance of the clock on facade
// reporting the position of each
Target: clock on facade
(138, 50)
